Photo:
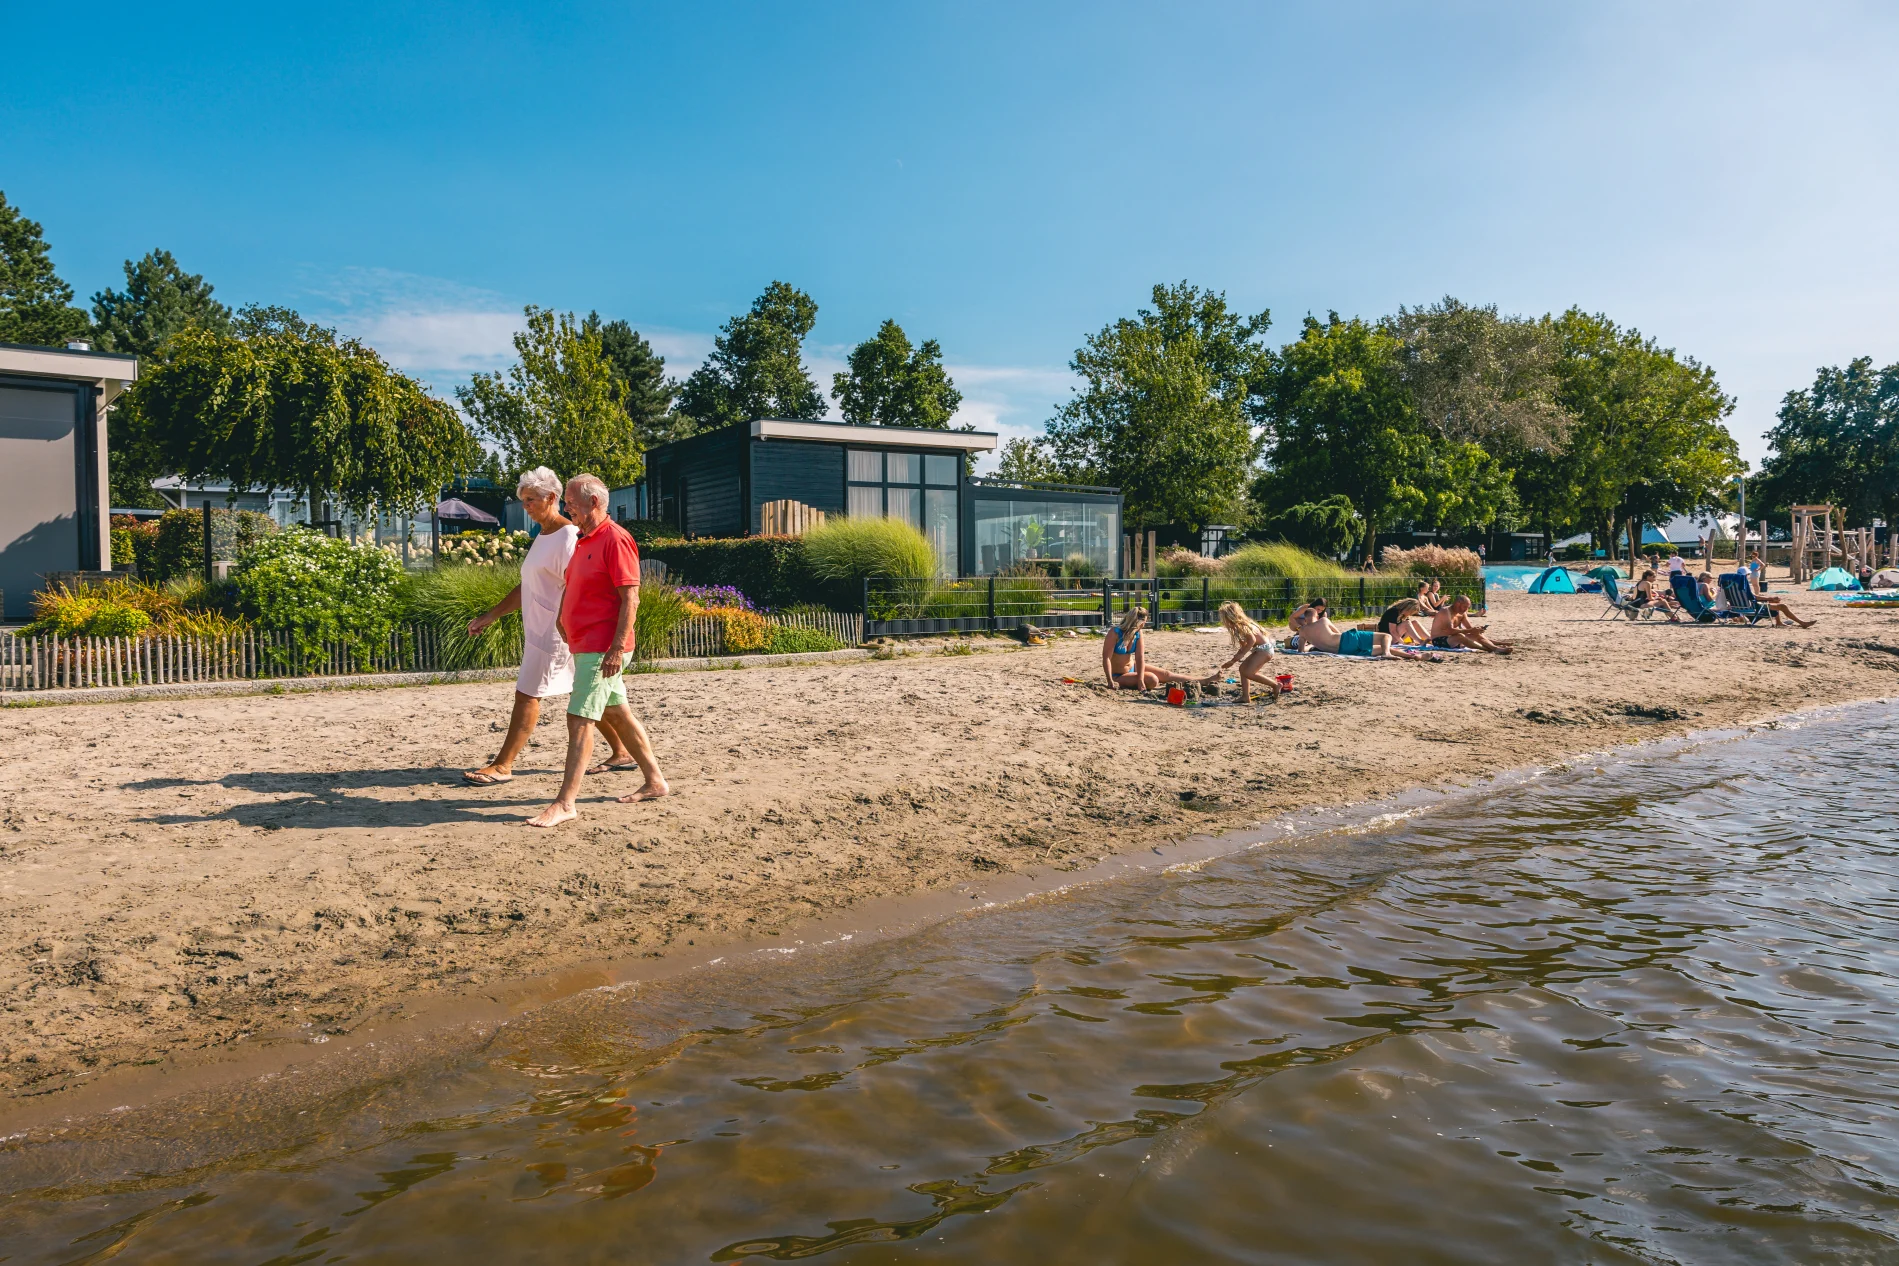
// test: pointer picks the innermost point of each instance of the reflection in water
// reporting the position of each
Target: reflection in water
(1643, 1014)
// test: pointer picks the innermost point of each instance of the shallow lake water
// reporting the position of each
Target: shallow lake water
(1634, 1011)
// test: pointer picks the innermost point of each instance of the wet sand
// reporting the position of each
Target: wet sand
(180, 877)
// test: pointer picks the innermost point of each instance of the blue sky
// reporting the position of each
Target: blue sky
(1004, 178)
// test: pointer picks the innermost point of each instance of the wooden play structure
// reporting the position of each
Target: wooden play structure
(1816, 544)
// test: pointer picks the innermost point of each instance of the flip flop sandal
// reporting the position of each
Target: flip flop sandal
(608, 768)
(479, 779)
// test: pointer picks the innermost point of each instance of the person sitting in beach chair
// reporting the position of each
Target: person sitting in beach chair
(1252, 653)
(1688, 596)
(1401, 620)
(1451, 628)
(1649, 598)
(1314, 629)
(1746, 604)
(1124, 659)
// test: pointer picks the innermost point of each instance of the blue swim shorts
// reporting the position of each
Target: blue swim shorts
(1356, 642)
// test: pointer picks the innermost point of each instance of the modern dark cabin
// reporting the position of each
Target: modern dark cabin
(722, 483)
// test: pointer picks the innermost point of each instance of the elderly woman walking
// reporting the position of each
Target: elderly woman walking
(547, 668)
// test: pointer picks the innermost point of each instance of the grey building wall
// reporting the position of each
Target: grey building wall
(40, 528)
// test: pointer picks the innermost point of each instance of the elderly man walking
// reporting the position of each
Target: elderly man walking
(596, 617)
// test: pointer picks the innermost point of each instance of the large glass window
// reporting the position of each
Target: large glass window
(902, 503)
(940, 525)
(866, 503)
(1013, 532)
(940, 470)
(901, 468)
(866, 468)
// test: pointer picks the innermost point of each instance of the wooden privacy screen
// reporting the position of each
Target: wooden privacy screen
(788, 518)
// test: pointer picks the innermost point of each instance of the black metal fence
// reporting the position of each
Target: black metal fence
(895, 607)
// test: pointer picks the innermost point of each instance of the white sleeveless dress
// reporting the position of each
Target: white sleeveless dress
(546, 666)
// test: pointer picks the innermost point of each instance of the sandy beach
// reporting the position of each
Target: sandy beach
(177, 876)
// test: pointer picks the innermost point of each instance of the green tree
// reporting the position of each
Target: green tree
(648, 394)
(757, 369)
(1327, 528)
(1341, 421)
(158, 301)
(277, 402)
(1165, 407)
(1647, 440)
(1029, 461)
(561, 406)
(891, 384)
(1836, 443)
(1474, 375)
(35, 304)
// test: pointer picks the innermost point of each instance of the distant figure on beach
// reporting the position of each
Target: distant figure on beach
(597, 618)
(547, 667)
(1124, 659)
(1313, 626)
(1675, 566)
(1252, 653)
(1757, 568)
(1649, 594)
(1426, 596)
(1451, 627)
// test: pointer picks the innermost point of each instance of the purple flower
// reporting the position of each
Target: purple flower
(714, 596)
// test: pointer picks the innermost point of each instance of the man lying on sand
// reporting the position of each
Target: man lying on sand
(1125, 661)
(1316, 632)
(597, 614)
(1451, 626)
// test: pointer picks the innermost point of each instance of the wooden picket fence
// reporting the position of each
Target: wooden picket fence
(62, 663)
(705, 634)
(70, 663)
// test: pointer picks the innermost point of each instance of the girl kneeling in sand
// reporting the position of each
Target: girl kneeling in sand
(1124, 660)
(1252, 652)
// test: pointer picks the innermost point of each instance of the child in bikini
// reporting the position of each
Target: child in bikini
(1252, 652)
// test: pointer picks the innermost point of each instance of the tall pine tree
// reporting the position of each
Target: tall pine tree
(35, 304)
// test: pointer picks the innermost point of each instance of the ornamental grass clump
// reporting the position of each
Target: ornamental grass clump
(1278, 559)
(130, 608)
(892, 554)
(445, 599)
(1431, 560)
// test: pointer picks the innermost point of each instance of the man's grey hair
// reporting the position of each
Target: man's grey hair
(540, 481)
(588, 488)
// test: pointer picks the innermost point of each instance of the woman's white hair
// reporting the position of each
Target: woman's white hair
(590, 488)
(540, 481)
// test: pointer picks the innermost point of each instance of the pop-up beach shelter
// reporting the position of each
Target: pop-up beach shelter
(1554, 580)
(1834, 578)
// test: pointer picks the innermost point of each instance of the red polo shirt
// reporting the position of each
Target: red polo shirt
(604, 561)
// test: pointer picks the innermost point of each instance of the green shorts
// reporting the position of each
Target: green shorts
(593, 694)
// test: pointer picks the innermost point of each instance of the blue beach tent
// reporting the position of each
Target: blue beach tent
(1553, 580)
(1834, 578)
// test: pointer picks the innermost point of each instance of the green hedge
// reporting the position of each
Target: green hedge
(172, 545)
(772, 571)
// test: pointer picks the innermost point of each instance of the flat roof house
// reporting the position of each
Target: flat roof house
(55, 486)
(758, 477)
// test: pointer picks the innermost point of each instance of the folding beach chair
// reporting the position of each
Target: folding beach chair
(1618, 605)
(1690, 598)
(1741, 599)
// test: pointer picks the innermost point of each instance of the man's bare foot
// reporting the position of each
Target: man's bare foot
(648, 791)
(611, 766)
(553, 815)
